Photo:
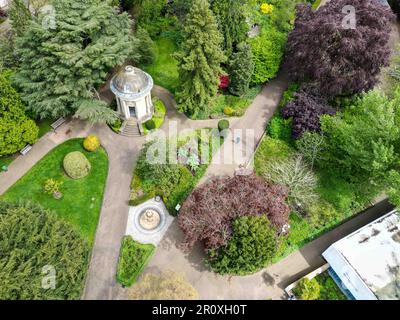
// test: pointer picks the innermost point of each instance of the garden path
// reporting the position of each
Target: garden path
(122, 153)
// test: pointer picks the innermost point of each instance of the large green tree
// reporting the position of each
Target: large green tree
(16, 129)
(231, 22)
(41, 257)
(363, 142)
(63, 62)
(20, 16)
(199, 61)
(252, 246)
(241, 69)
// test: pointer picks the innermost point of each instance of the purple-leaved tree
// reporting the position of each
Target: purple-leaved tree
(336, 59)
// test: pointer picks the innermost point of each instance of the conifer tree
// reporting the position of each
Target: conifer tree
(199, 61)
(241, 70)
(146, 47)
(19, 16)
(62, 63)
(231, 22)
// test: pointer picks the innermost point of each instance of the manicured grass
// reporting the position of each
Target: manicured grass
(133, 258)
(159, 115)
(164, 69)
(328, 287)
(82, 199)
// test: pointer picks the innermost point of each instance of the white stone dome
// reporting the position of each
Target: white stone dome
(131, 83)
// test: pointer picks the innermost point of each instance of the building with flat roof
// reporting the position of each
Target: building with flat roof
(366, 264)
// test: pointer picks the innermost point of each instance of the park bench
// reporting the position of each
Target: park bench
(58, 123)
(26, 149)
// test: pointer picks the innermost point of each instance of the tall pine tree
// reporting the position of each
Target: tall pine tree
(241, 69)
(200, 58)
(63, 62)
(231, 22)
(20, 16)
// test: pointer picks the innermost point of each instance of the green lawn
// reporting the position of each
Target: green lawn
(164, 69)
(82, 199)
(159, 115)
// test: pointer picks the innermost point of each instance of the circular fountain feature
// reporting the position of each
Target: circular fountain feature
(149, 219)
(148, 222)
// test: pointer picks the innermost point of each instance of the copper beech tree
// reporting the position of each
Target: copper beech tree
(341, 47)
(208, 213)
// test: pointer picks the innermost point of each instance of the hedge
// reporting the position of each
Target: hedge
(132, 260)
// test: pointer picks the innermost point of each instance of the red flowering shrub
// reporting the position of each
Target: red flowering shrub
(224, 82)
(208, 213)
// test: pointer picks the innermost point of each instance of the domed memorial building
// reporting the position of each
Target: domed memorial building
(132, 88)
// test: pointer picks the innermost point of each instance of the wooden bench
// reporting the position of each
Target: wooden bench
(58, 123)
(26, 149)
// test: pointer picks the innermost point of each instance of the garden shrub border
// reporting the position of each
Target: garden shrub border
(127, 271)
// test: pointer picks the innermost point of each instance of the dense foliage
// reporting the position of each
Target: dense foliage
(20, 16)
(32, 242)
(173, 180)
(307, 289)
(337, 59)
(132, 260)
(231, 22)
(16, 129)
(63, 64)
(362, 142)
(252, 246)
(208, 212)
(241, 70)
(305, 110)
(200, 58)
(268, 50)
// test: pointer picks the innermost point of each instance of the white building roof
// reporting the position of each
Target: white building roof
(368, 260)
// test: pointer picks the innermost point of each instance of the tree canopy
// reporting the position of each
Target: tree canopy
(252, 247)
(334, 57)
(200, 58)
(208, 212)
(61, 64)
(33, 241)
(16, 129)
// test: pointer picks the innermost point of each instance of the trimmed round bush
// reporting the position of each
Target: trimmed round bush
(91, 143)
(223, 125)
(76, 165)
(150, 125)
